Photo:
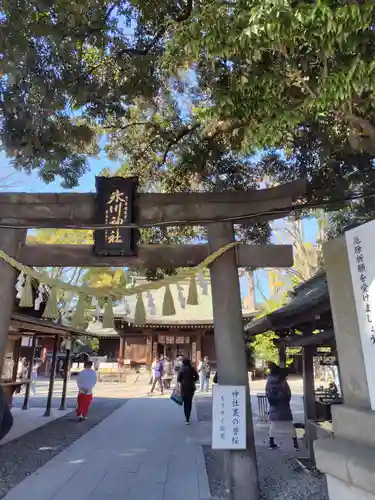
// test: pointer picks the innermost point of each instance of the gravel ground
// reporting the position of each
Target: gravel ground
(23, 456)
(281, 478)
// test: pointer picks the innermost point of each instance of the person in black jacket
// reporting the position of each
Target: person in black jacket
(279, 395)
(6, 417)
(187, 378)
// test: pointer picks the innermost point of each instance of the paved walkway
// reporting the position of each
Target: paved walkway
(142, 451)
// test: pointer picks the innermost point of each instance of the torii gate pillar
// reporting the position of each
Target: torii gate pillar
(11, 241)
(241, 466)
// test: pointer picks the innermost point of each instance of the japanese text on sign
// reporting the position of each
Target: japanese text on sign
(116, 214)
(115, 208)
(364, 288)
(229, 417)
(360, 243)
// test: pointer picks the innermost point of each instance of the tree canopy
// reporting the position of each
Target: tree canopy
(277, 63)
(185, 92)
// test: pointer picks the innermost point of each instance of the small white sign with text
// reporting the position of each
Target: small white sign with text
(229, 417)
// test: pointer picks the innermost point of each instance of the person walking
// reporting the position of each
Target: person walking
(6, 417)
(22, 372)
(86, 381)
(279, 395)
(168, 373)
(34, 377)
(204, 371)
(187, 378)
(153, 365)
(158, 376)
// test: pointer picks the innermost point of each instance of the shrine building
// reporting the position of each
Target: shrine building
(190, 332)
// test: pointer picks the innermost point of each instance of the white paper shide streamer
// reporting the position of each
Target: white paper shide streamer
(95, 303)
(151, 304)
(181, 296)
(203, 284)
(19, 285)
(39, 298)
(126, 307)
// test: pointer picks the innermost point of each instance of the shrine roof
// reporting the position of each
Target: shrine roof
(201, 314)
(29, 325)
(186, 317)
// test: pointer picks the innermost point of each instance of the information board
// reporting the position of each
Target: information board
(229, 417)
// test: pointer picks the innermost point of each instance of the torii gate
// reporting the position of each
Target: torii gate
(216, 211)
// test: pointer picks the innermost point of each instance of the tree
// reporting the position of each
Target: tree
(308, 259)
(264, 349)
(277, 64)
(182, 98)
(189, 119)
(262, 346)
(93, 277)
(69, 73)
(62, 237)
(93, 343)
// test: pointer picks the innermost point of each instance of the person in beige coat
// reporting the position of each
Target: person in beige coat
(168, 373)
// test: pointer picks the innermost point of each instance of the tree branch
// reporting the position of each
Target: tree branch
(173, 142)
(184, 16)
(356, 138)
(129, 125)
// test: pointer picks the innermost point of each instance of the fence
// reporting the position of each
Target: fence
(263, 408)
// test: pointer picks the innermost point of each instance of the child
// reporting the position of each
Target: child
(86, 382)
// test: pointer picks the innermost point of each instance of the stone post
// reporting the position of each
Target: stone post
(10, 242)
(348, 459)
(309, 404)
(241, 466)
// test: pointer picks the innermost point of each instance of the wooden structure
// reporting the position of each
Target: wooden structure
(28, 332)
(306, 322)
(189, 332)
(25, 333)
(216, 211)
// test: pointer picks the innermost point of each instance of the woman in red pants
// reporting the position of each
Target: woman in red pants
(86, 382)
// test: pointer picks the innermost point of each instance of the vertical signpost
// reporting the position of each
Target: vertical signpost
(360, 243)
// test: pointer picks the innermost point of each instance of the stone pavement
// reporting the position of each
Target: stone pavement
(142, 451)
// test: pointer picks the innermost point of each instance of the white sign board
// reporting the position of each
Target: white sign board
(229, 417)
(360, 243)
(26, 341)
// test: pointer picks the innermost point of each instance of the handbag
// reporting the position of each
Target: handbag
(176, 396)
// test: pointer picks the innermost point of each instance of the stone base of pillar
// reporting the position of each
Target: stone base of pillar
(348, 459)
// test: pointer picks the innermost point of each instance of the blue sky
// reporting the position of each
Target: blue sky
(32, 184)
